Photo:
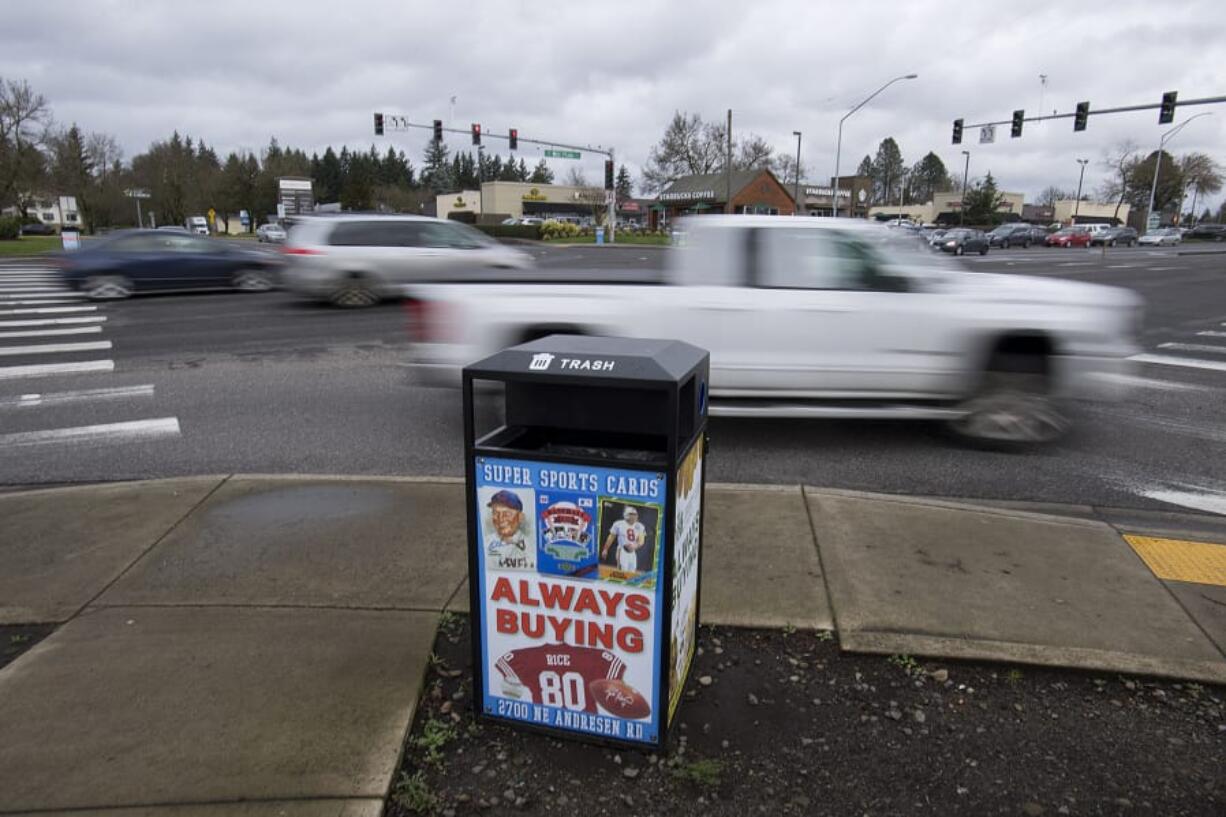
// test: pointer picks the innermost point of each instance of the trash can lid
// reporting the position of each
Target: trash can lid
(610, 361)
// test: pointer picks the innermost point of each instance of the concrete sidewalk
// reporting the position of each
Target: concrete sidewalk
(256, 645)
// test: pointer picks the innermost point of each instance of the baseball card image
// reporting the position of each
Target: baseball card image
(507, 530)
(566, 534)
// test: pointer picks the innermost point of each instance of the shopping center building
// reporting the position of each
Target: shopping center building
(753, 192)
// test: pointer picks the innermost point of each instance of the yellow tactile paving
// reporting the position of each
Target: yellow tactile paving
(1182, 561)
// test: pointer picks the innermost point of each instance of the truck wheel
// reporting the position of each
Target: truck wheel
(1012, 410)
(958, 250)
(354, 293)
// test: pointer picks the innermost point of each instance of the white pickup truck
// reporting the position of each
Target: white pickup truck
(824, 318)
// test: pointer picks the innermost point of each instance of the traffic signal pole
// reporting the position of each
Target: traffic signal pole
(392, 122)
(1209, 100)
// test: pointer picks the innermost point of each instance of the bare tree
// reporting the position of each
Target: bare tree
(103, 151)
(575, 178)
(691, 146)
(753, 153)
(1051, 195)
(24, 117)
(785, 169)
(1121, 160)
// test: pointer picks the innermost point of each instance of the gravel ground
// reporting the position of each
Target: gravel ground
(17, 638)
(782, 723)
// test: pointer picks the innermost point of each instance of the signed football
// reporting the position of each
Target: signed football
(619, 699)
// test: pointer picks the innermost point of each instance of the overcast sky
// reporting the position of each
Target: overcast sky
(311, 73)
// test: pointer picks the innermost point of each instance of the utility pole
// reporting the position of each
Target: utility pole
(1158, 164)
(796, 211)
(1080, 179)
(728, 168)
(966, 171)
(838, 148)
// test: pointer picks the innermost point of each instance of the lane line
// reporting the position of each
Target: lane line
(1194, 347)
(52, 369)
(1160, 269)
(49, 286)
(1136, 381)
(81, 396)
(48, 311)
(41, 302)
(1186, 362)
(55, 321)
(103, 433)
(61, 293)
(1198, 500)
(60, 348)
(44, 333)
(1209, 333)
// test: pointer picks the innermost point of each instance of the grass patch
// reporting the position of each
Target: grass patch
(413, 793)
(622, 238)
(703, 772)
(907, 664)
(31, 245)
(435, 736)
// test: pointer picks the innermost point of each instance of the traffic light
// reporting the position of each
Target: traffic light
(608, 174)
(1166, 115)
(514, 139)
(1019, 117)
(438, 130)
(476, 134)
(957, 131)
(1083, 113)
(378, 124)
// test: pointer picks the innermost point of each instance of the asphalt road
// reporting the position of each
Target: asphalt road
(229, 382)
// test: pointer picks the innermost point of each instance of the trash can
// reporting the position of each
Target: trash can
(600, 235)
(585, 501)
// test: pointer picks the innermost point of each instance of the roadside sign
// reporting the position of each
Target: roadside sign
(1151, 223)
(134, 193)
(70, 239)
(609, 196)
(280, 209)
(987, 134)
(562, 154)
(212, 215)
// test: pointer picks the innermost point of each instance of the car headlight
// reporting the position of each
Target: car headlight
(951, 243)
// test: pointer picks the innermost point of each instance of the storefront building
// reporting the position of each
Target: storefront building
(496, 201)
(753, 192)
(855, 192)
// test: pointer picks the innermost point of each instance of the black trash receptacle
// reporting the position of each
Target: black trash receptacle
(584, 529)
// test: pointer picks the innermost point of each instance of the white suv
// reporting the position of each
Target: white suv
(357, 260)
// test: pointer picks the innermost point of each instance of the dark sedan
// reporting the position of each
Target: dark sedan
(1013, 235)
(1208, 232)
(37, 228)
(962, 241)
(1116, 236)
(134, 261)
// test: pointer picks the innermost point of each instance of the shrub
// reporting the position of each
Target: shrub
(559, 229)
(10, 228)
(530, 232)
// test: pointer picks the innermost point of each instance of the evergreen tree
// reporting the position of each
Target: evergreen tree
(521, 172)
(72, 171)
(328, 179)
(623, 185)
(541, 174)
(982, 201)
(436, 171)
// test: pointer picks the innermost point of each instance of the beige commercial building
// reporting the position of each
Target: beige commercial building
(520, 199)
(945, 207)
(1087, 211)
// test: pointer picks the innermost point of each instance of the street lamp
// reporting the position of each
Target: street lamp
(838, 150)
(1080, 179)
(966, 171)
(796, 211)
(1158, 163)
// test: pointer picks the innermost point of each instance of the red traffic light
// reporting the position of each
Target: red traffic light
(476, 134)
(514, 139)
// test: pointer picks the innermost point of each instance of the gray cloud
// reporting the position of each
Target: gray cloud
(310, 73)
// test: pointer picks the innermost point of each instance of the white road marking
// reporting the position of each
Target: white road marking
(52, 369)
(1187, 362)
(40, 302)
(54, 321)
(1076, 264)
(1194, 347)
(60, 348)
(1208, 333)
(104, 433)
(1122, 266)
(84, 395)
(43, 333)
(1200, 500)
(1138, 382)
(48, 311)
(9, 296)
(1159, 269)
(49, 286)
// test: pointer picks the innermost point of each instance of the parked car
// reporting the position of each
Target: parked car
(824, 318)
(1208, 232)
(1166, 237)
(1070, 237)
(932, 235)
(1011, 235)
(135, 261)
(961, 241)
(271, 233)
(361, 260)
(1115, 235)
(37, 228)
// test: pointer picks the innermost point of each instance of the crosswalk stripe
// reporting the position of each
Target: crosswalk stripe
(56, 348)
(105, 432)
(52, 369)
(54, 321)
(1194, 347)
(49, 286)
(80, 396)
(48, 310)
(1186, 362)
(1208, 333)
(9, 296)
(43, 333)
(41, 302)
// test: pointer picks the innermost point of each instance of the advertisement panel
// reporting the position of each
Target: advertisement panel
(686, 540)
(571, 596)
